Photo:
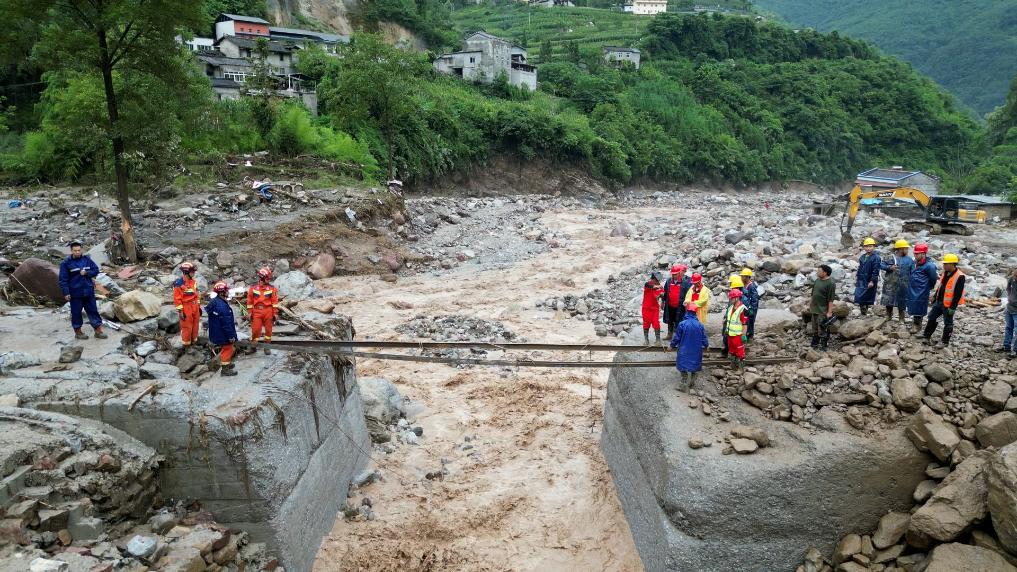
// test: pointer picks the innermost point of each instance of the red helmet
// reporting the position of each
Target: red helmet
(697, 278)
(221, 287)
(265, 273)
(921, 248)
(678, 268)
(186, 267)
(734, 293)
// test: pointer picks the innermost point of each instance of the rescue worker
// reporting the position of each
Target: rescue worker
(1010, 315)
(750, 297)
(948, 297)
(262, 305)
(896, 277)
(734, 327)
(734, 283)
(76, 274)
(187, 300)
(673, 298)
(868, 276)
(923, 276)
(824, 292)
(651, 307)
(222, 330)
(700, 295)
(691, 341)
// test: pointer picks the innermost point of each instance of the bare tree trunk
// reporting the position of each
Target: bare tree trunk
(119, 168)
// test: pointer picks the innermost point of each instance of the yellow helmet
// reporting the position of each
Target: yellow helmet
(950, 259)
(901, 243)
(869, 242)
(746, 272)
(736, 281)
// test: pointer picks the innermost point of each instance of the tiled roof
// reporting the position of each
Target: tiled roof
(241, 18)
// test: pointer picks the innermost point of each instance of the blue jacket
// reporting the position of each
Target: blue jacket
(72, 282)
(923, 279)
(221, 327)
(897, 276)
(868, 271)
(750, 297)
(690, 339)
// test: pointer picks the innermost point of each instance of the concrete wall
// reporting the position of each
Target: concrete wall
(271, 451)
(523, 78)
(708, 512)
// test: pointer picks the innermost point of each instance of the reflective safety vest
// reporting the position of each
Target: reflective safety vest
(950, 285)
(733, 319)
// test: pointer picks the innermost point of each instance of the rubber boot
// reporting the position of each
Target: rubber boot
(646, 335)
(865, 309)
(228, 370)
(823, 341)
(930, 328)
(268, 351)
(692, 380)
(815, 341)
(947, 332)
(99, 334)
(900, 315)
(670, 332)
(889, 312)
(657, 333)
(916, 325)
(79, 335)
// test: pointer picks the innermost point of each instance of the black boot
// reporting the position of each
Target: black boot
(646, 336)
(815, 341)
(228, 370)
(916, 325)
(865, 309)
(947, 332)
(889, 312)
(822, 343)
(657, 333)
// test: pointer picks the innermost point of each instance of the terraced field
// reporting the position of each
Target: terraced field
(590, 27)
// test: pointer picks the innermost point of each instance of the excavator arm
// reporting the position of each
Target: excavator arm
(857, 195)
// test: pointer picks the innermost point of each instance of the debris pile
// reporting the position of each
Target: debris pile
(78, 495)
(457, 328)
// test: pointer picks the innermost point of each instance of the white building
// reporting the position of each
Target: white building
(617, 56)
(649, 7)
(485, 57)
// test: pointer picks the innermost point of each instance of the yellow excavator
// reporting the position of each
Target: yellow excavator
(944, 214)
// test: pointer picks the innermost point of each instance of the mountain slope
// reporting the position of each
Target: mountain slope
(968, 46)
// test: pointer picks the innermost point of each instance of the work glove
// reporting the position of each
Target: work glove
(950, 311)
(745, 338)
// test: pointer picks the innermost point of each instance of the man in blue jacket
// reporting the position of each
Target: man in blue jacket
(923, 278)
(222, 328)
(76, 274)
(867, 277)
(691, 341)
(750, 297)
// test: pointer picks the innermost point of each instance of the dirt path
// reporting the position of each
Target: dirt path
(527, 487)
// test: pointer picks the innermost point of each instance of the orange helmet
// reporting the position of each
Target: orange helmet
(186, 267)
(697, 278)
(221, 287)
(265, 273)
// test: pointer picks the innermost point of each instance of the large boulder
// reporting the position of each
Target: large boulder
(381, 399)
(994, 395)
(907, 396)
(40, 279)
(322, 266)
(294, 285)
(136, 305)
(998, 430)
(958, 504)
(929, 432)
(857, 329)
(1002, 498)
(10, 361)
(698, 509)
(955, 557)
(891, 528)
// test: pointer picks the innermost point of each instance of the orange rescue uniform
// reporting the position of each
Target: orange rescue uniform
(262, 303)
(187, 299)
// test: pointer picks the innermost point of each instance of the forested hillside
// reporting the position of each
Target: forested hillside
(721, 98)
(968, 46)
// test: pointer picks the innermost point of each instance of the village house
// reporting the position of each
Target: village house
(897, 177)
(646, 7)
(229, 59)
(619, 56)
(485, 57)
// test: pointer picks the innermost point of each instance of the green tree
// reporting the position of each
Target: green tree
(260, 85)
(546, 51)
(106, 38)
(372, 84)
(572, 51)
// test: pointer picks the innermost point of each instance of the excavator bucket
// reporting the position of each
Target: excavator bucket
(846, 240)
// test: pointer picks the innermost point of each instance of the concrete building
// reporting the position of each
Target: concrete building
(649, 7)
(896, 177)
(994, 206)
(197, 44)
(619, 56)
(237, 25)
(485, 57)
